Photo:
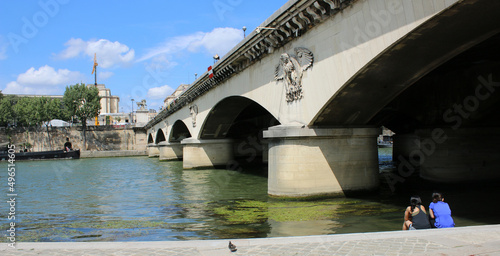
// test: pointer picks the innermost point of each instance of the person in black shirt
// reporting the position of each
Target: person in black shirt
(415, 215)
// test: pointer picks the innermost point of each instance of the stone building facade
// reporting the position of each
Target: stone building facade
(109, 103)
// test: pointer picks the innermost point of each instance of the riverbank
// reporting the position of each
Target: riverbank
(112, 153)
(483, 240)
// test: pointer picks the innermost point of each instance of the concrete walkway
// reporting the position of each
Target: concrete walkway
(476, 240)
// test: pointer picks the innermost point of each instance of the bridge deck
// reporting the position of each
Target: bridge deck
(483, 240)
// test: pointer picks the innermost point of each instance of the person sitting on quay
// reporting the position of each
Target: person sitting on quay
(415, 215)
(440, 211)
(67, 145)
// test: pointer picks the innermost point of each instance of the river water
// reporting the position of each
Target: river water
(142, 199)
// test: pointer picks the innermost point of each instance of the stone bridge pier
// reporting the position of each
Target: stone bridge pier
(153, 150)
(207, 153)
(322, 161)
(170, 151)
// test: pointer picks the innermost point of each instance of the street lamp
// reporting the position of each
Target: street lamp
(216, 58)
(244, 29)
(195, 76)
(132, 113)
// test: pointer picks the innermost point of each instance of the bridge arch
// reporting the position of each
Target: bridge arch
(231, 136)
(178, 132)
(160, 136)
(435, 89)
(150, 139)
(236, 117)
(438, 42)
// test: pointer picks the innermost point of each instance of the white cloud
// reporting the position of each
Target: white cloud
(218, 41)
(15, 88)
(103, 75)
(109, 54)
(171, 46)
(45, 81)
(161, 92)
(161, 62)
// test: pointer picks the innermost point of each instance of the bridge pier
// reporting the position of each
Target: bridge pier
(309, 162)
(152, 150)
(170, 151)
(206, 153)
(448, 155)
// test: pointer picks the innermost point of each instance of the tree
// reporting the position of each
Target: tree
(48, 109)
(83, 102)
(7, 115)
(37, 110)
(24, 111)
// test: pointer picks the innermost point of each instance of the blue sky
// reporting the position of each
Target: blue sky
(145, 49)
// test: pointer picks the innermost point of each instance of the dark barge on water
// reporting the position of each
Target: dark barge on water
(43, 155)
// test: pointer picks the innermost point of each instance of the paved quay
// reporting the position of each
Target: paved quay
(475, 240)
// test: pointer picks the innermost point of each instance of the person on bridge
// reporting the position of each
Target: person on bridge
(415, 215)
(440, 212)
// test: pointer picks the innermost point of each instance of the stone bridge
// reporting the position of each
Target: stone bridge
(307, 92)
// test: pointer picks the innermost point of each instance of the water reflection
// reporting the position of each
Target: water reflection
(302, 228)
(141, 199)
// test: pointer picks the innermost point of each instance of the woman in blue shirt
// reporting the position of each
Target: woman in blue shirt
(440, 212)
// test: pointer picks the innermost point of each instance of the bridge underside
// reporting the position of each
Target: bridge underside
(447, 123)
(463, 86)
(437, 89)
(404, 64)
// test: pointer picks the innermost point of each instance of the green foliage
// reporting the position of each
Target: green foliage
(82, 101)
(30, 111)
(37, 110)
(25, 111)
(7, 114)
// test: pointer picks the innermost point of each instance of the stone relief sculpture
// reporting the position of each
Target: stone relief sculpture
(193, 110)
(291, 68)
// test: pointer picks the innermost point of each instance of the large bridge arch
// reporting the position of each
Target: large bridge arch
(230, 135)
(178, 132)
(398, 67)
(236, 117)
(435, 87)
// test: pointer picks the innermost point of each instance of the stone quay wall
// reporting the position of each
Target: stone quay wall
(99, 138)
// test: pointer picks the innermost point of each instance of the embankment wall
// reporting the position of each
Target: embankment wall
(99, 138)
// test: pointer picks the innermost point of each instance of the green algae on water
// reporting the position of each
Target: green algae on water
(251, 211)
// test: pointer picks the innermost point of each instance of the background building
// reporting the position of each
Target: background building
(109, 103)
